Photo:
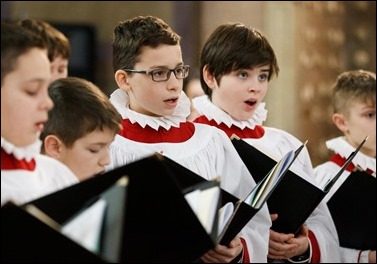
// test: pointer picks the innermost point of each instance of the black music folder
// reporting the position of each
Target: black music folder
(159, 224)
(353, 209)
(294, 199)
(29, 235)
(98, 225)
(243, 209)
(27, 239)
(186, 178)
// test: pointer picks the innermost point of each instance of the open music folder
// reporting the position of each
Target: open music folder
(159, 224)
(30, 235)
(235, 212)
(294, 199)
(98, 226)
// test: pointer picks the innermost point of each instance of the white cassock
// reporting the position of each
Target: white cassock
(21, 183)
(203, 149)
(327, 170)
(277, 143)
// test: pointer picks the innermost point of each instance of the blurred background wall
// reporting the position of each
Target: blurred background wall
(314, 41)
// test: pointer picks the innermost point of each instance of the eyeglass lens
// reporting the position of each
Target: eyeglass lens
(163, 75)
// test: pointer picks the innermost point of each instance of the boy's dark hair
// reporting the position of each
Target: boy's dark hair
(16, 41)
(57, 43)
(80, 107)
(131, 35)
(353, 86)
(234, 46)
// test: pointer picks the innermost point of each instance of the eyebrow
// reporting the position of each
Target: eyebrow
(165, 67)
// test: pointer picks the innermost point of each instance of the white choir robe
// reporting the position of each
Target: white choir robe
(208, 152)
(23, 185)
(277, 143)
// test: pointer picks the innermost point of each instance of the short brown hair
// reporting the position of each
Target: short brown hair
(80, 107)
(353, 86)
(57, 43)
(234, 46)
(16, 41)
(131, 35)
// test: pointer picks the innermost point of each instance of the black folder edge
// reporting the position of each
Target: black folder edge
(115, 214)
(330, 184)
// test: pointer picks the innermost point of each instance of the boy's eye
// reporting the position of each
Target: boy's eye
(371, 114)
(243, 74)
(263, 77)
(159, 73)
(31, 93)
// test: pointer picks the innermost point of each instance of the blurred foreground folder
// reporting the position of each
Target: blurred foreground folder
(159, 224)
(30, 235)
(27, 239)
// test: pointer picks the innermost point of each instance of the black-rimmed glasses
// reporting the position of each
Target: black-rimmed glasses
(161, 75)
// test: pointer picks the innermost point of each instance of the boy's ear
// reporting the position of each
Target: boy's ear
(53, 146)
(340, 121)
(122, 80)
(209, 78)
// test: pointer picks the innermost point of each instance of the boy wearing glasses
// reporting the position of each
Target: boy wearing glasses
(149, 70)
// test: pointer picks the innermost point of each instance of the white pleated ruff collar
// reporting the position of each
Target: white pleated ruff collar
(120, 100)
(340, 146)
(28, 153)
(205, 107)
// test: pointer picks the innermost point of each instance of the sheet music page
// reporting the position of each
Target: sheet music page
(85, 229)
(260, 193)
(204, 204)
(225, 213)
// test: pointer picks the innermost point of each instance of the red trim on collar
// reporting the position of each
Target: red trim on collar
(257, 132)
(10, 162)
(339, 160)
(149, 135)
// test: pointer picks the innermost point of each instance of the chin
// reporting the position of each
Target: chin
(242, 117)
